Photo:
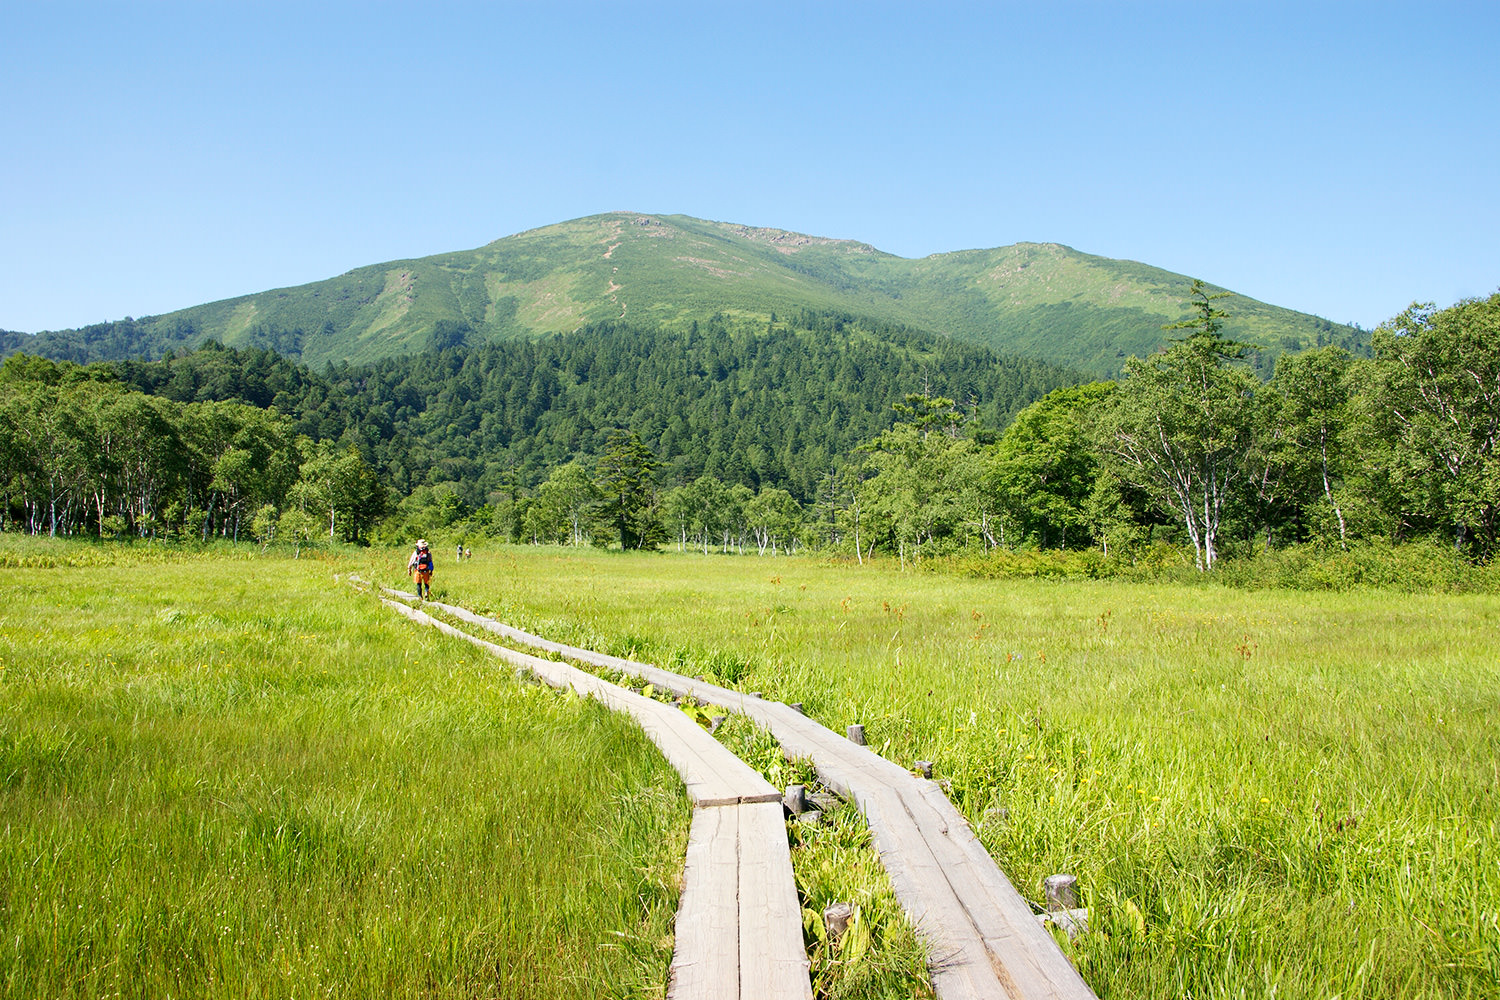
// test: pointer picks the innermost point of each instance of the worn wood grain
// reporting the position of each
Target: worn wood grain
(706, 955)
(773, 961)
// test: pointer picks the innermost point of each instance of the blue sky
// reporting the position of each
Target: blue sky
(1337, 158)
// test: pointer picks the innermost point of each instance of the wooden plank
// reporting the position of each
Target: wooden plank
(1004, 919)
(773, 959)
(713, 774)
(705, 958)
(957, 958)
(676, 683)
(739, 923)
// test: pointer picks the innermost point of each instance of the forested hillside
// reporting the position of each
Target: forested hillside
(1039, 300)
(779, 407)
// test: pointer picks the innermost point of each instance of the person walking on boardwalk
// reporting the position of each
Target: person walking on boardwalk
(419, 567)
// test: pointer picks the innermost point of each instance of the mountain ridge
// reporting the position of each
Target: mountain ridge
(1042, 300)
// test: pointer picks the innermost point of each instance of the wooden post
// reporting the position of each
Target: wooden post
(715, 722)
(836, 917)
(925, 766)
(857, 734)
(1062, 892)
(795, 799)
(797, 707)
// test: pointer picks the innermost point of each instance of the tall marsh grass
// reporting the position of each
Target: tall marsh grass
(1263, 792)
(235, 777)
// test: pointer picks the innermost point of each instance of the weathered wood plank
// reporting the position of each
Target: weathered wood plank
(960, 965)
(1003, 918)
(773, 960)
(706, 958)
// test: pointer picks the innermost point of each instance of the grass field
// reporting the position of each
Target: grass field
(233, 777)
(1263, 793)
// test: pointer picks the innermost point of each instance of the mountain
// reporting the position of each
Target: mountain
(1041, 300)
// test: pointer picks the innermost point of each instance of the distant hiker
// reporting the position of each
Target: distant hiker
(419, 566)
(460, 552)
(467, 553)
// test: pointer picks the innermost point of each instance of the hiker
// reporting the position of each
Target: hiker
(460, 552)
(419, 566)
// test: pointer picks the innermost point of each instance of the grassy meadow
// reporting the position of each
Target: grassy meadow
(1263, 793)
(227, 775)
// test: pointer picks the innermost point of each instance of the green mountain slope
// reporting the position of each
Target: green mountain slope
(1042, 300)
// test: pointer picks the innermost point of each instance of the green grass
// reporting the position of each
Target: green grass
(231, 777)
(1262, 792)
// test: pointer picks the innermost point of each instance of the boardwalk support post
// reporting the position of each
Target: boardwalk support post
(795, 800)
(836, 917)
(857, 734)
(1062, 892)
(1063, 910)
(925, 766)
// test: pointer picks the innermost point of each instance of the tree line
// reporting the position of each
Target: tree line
(1190, 447)
(765, 406)
(781, 438)
(82, 453)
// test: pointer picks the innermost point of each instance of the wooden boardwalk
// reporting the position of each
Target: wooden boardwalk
(739, 923)
(983, 939)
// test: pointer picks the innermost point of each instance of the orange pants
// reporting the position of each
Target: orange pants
(423, 578)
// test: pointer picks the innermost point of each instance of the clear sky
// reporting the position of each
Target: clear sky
(1337, 158)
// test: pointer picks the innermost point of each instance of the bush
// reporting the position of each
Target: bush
(1414, 567)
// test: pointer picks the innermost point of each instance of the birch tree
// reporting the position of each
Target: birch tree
(1180, 427)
